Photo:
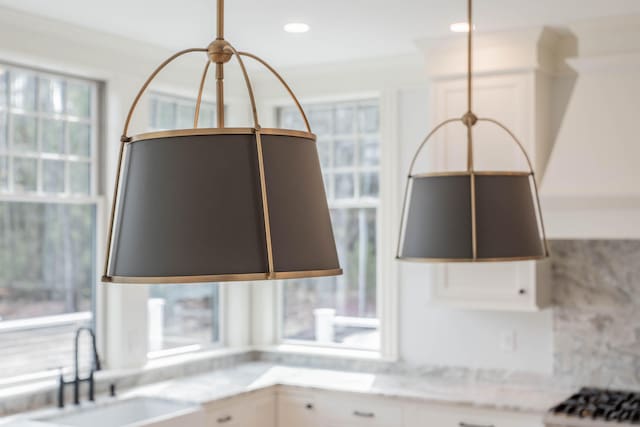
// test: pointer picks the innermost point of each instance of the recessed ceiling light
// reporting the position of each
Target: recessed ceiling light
(460, 27)
(296, 27)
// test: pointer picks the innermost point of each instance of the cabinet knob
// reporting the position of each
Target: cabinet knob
(522, 291)
(223, 420)
(309, 406)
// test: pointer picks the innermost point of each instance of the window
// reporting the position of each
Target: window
(48, 207)
(181, 317)
(172, 112)
(341, 310)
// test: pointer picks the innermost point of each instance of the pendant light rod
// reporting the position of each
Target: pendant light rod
(220, 67)
(469, 55)
(220, 20)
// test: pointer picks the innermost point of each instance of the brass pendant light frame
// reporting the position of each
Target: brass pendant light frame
(219, 52)
(469, 120)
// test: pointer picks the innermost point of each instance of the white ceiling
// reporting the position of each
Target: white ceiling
(340, 29)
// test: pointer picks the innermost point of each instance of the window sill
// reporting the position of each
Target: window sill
(325, 351)
(39, 385)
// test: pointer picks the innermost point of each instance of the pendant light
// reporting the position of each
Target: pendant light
(219, 204)
(471, 216)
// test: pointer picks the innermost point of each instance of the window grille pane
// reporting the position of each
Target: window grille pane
(79, 139)
(51, 93)
(23, 90)
(24, 133)
(25, 173)
(52, 136)
(4, 173)
(207, 117)
(369, 186)
(344, 185)
(78, 99)
(344, 152)
(291, 119)
(369, 152)
(166, 115)
(4, 88)
(3, 132)
(345, 123)
(79, 177)
(368, 120)
(322, 121)
(53, 176)
(185, 116)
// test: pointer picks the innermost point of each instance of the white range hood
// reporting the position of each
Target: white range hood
(591, 186)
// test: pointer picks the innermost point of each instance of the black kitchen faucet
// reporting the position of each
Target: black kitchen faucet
(76, 381)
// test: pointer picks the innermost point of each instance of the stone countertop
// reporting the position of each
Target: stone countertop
(249, 377)
(522, 396)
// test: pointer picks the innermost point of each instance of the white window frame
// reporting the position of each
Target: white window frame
(94, 198)
(387, 275)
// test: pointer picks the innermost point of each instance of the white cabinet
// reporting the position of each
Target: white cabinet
(253, 410)
(418, 415)
(515, 286)
(516, 99)
(298, 408)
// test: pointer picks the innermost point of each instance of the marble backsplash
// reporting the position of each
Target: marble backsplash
(596, 313)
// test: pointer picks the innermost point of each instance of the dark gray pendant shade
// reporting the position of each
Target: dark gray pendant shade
(471, 216)
(439, 224)
(191, 209)
(219, 204)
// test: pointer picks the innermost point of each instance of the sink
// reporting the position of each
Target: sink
(135, 412)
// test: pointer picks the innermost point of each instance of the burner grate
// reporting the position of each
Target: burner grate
(603, 405)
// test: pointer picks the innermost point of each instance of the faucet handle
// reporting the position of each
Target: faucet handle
(61, 384)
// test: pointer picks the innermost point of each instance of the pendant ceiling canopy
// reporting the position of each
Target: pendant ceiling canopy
(471, 215)
(219, 204)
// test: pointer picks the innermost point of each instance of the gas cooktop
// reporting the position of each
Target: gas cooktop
(591, 407)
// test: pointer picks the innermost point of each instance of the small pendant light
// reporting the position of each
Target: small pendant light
(219, 204)
(471, 215)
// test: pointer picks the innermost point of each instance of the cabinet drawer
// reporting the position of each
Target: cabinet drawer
(244, 411)
(435, 416)
(344, 410)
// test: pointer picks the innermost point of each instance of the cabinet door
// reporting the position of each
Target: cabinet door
(343, 410)
(264, 411)
(517, 286)
(431, 416)
(297, 409)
